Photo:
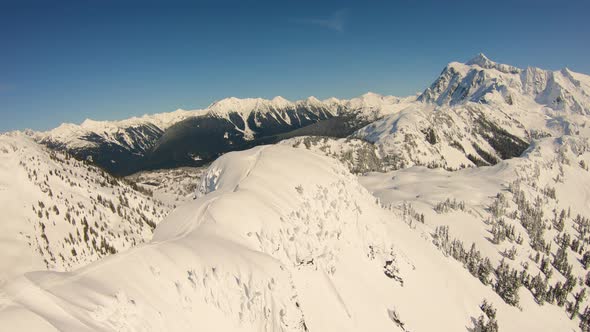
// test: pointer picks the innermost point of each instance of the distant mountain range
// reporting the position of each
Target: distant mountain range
(475, 113)
(192, 138)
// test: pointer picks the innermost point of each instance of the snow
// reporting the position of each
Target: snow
(522, 103)
(171, 186)
(76, 137)
(423, 188)
(280, 239)
(45, 198)
(73, 136)
(285, 238)
(482, 61)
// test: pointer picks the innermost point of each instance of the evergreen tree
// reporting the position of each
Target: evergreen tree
(560, 294)
(560, 260)
(507, 283)
(537, 257)
(578, 298)
(585, 320)
(546, 267)
(489, 325)
(539, 288)
(586, 260)
(484, 270)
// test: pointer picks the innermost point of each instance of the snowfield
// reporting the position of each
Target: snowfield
(281, 239)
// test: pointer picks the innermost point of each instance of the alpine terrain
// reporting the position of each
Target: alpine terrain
(194, 138)
(463, 208)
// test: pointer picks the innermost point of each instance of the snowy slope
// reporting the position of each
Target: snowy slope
(170, 186)
(526, 194)
(481, 112)
(59, 213)
(281, 239)
(357, 155)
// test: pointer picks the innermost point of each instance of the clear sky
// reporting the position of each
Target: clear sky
(64, 61)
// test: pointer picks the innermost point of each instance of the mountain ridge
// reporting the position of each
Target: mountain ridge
(122, 147)
(506, 105)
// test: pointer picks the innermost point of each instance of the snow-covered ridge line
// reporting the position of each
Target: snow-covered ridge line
(220, 107)
(122, 147)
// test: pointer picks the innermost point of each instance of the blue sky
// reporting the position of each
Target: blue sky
(64, 61)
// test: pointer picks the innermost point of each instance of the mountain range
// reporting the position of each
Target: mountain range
(464, 207)
(193, 138)
(475, 113)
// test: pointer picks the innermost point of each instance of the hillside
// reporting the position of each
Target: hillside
(281, 240)
(529, 212)
(59, 213)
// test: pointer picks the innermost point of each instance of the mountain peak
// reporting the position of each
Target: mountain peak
(312, 100)
(233, 104)
(89, 123)
(371, 95)
(484, 62)
(280, 101)
(481, 60)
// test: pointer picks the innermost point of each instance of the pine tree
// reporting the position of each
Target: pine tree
(539, 288)
(560, 294)
(490, 312)
(560, 260)
(578, 298)
(484, 270)
(585, 320)
(586, 260)
(546, 267)
(507, 283)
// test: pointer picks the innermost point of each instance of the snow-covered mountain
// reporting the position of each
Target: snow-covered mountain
(281, 239)
(330, 233)
(59, 213)
(475, 113)
(117, 146)
(480, 112)
(152, 141)
(481, 80)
